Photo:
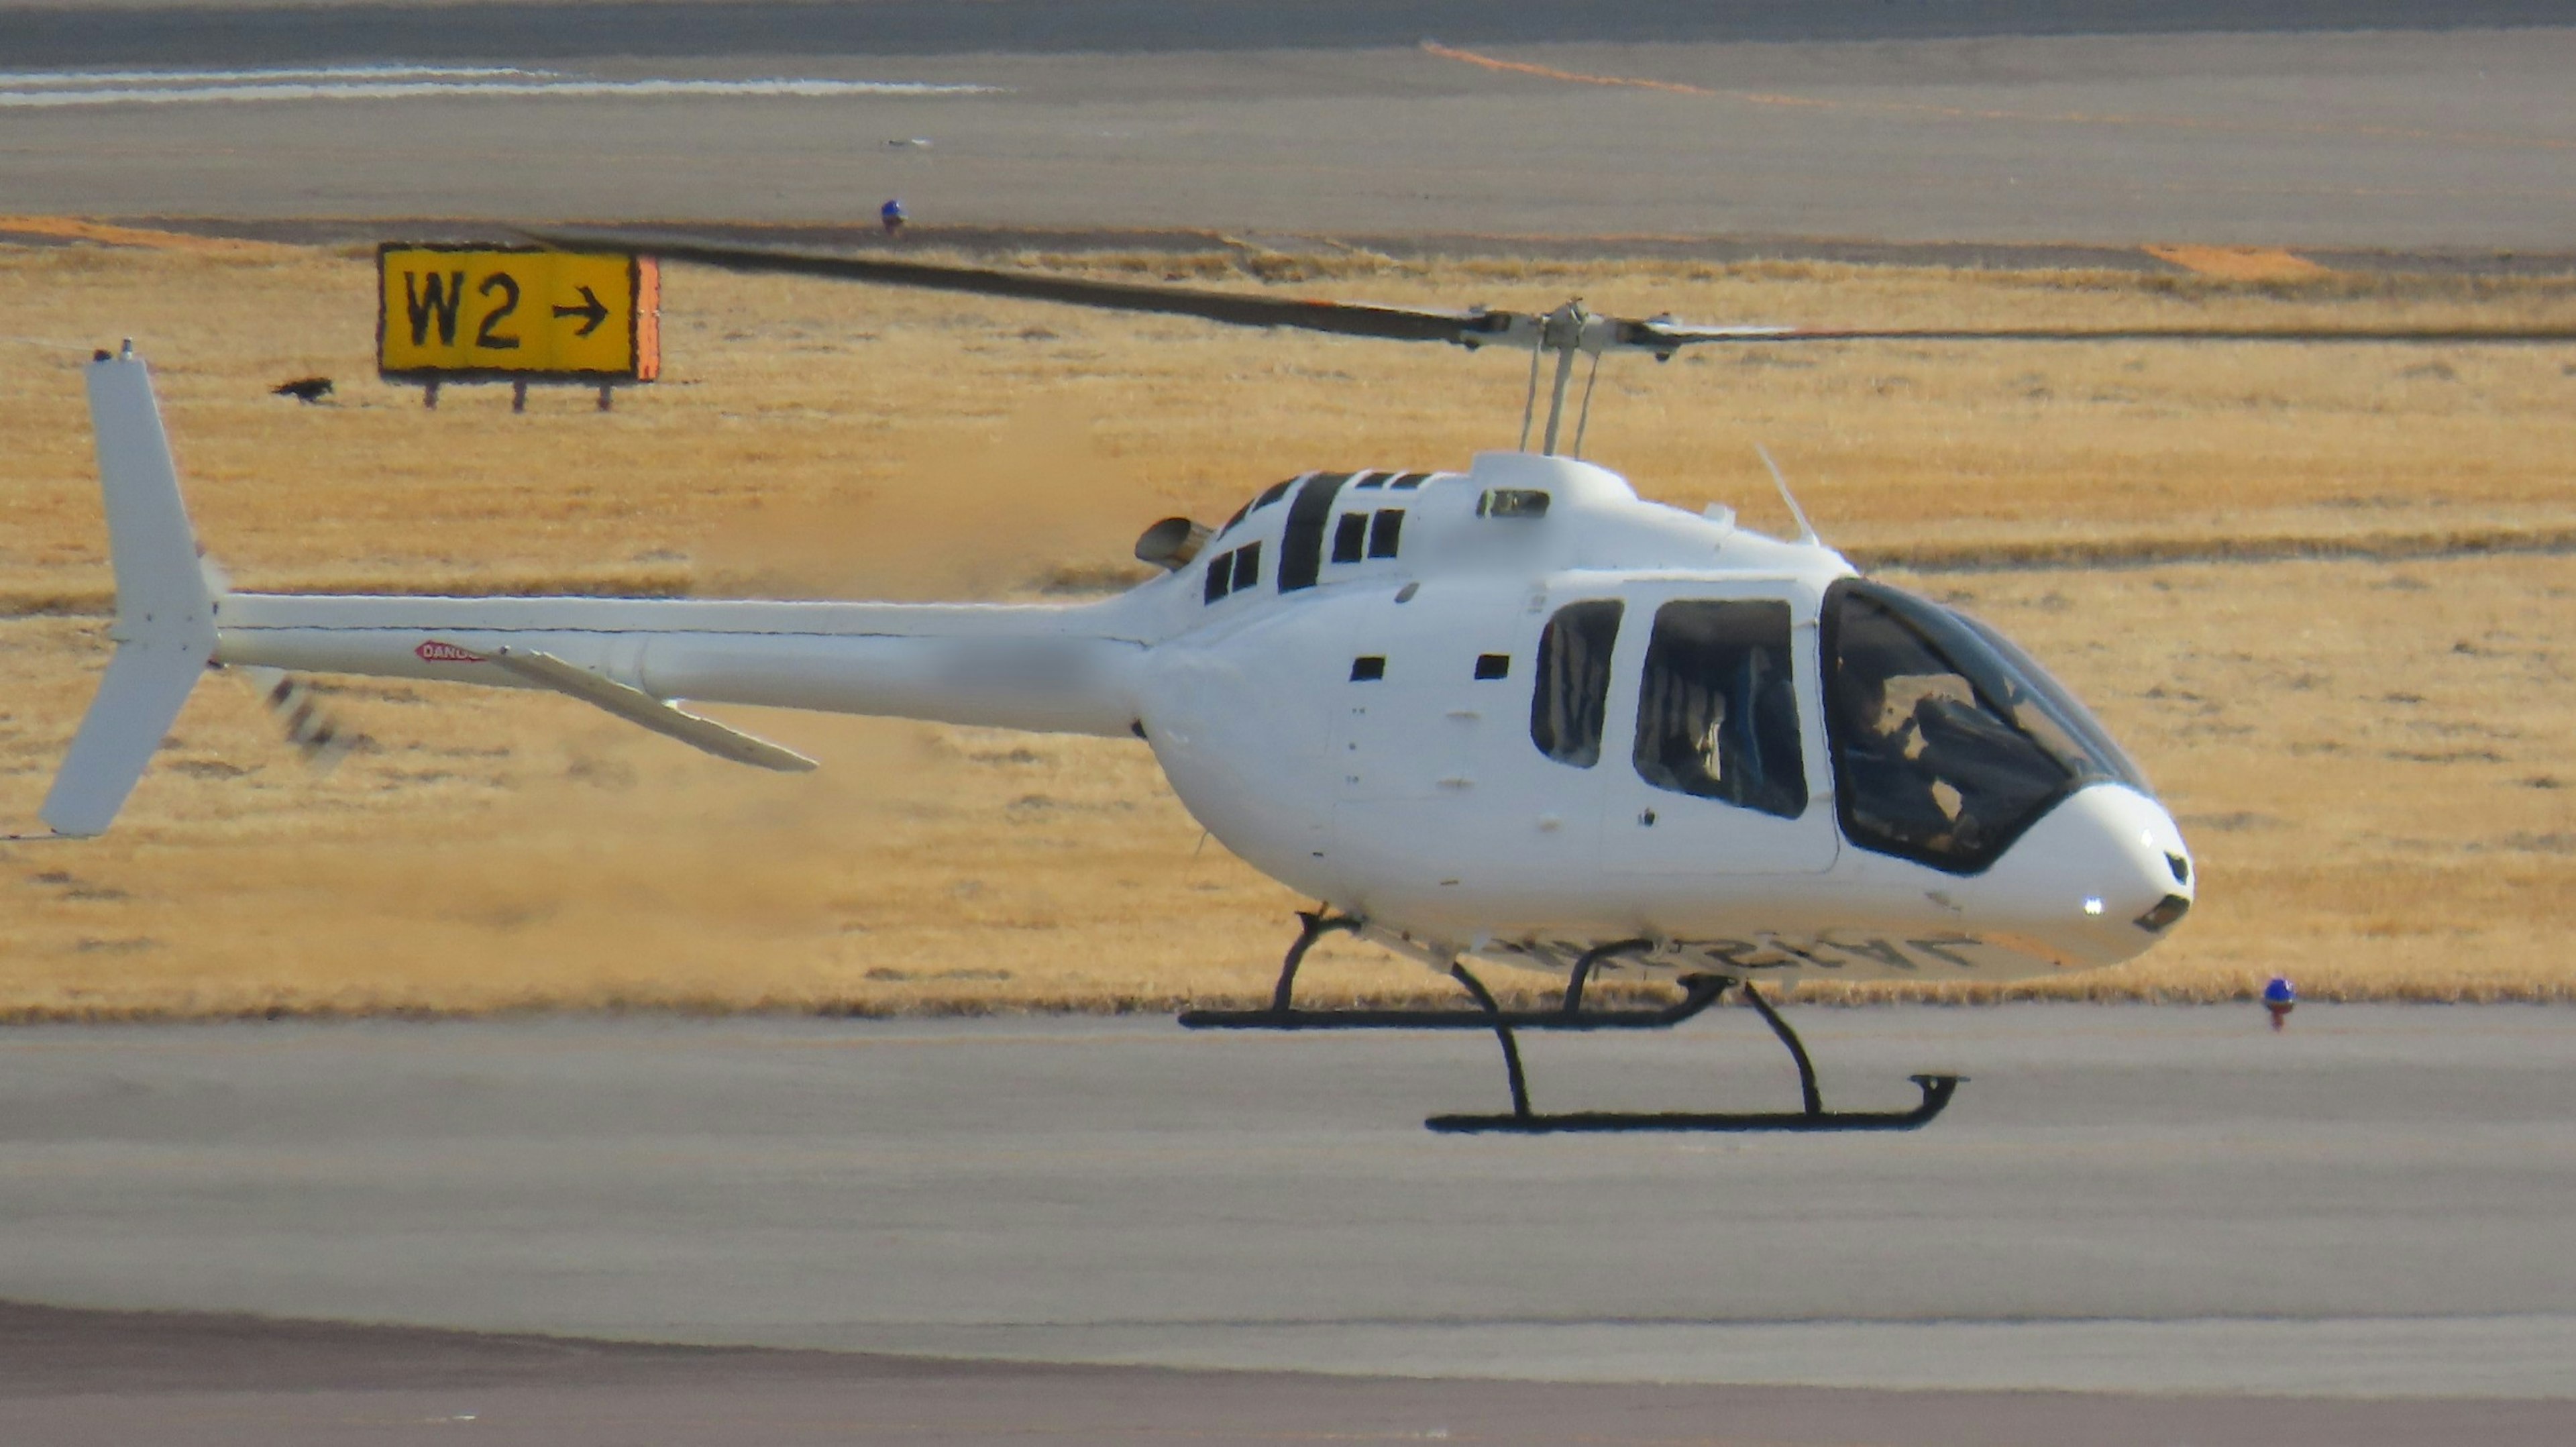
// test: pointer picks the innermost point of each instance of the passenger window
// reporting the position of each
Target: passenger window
(1717, 713)
(1386, 533)
(1573, 688)
(1350, 537)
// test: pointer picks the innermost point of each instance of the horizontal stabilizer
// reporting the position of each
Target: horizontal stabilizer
(136, 704)
(636, 706)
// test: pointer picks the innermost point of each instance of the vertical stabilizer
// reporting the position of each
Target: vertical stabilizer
(165, 610)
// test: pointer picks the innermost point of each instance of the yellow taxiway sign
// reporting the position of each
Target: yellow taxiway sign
(461, 314)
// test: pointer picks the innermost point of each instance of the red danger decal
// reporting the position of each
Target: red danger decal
(436, 652)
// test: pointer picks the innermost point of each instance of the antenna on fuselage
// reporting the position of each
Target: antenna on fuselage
(1806, 529)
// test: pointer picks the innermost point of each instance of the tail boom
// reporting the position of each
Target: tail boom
(1059, 669)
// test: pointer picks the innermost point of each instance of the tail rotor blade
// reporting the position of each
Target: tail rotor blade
(316, 733)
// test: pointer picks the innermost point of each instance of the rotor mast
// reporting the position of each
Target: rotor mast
(1566, 331)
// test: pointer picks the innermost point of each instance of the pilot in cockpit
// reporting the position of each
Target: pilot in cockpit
(1935, 772)
(1889, 786)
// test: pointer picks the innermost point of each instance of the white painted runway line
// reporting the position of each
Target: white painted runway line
(60, 90)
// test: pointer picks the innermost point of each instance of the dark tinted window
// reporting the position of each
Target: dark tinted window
(1247, 566)
(1947, 742)
(1512, 502)
(1491, 666)
(1386, 533)
(1573, 685)
(1220, 576)
(1350, 537)
(1717, 713)
(1368, 668)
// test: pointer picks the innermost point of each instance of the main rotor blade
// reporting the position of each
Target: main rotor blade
(1351, 319)
(1655, 335)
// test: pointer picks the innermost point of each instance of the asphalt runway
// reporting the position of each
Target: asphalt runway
(75, 1377)
(2170, 1206)
(2104, 124)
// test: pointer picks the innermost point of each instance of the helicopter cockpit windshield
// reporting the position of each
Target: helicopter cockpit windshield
(1948, 741)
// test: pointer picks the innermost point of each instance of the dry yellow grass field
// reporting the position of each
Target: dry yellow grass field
(2368, 746)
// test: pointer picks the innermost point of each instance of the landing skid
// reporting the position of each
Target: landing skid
(1937, 1090)
(1698, 993)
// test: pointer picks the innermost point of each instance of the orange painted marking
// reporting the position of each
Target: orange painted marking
(2238, 263)
(1549, 72)
(1967, 113)
(76, 228)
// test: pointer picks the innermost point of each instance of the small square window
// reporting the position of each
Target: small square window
(1247, 566)
(1350, 537)
(1493, 665)
(1220, 577)
(1386, 533)
(1368, 668)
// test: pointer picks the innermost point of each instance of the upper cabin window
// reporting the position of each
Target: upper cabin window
(1233, 572)
(1350, 538)
(1948, 742)
(1717, 713)
(1572, 692)
(1359, 535)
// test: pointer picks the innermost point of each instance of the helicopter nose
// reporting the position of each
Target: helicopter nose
(2106, 872)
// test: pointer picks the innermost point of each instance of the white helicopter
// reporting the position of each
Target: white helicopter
(1512, 715)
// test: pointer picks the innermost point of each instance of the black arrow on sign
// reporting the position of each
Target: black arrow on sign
(590, 308)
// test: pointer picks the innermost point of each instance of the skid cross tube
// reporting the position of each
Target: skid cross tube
(1814, 1098)
(1591, 959)
(1503, 1033)
(1313, 924)
(1698, 993)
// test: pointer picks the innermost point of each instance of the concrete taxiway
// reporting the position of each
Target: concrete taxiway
(2275, 124)
(2371, 1205)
